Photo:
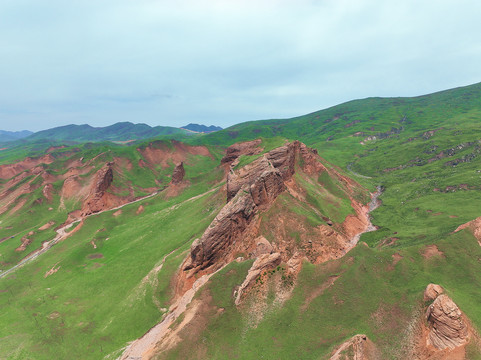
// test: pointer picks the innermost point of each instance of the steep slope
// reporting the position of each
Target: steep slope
(69, 183)
(249, 251)
(423, 150)
(270, 190)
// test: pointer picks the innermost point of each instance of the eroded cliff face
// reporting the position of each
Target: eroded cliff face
(447, 327)
(98, 199)
(178, 173)
(234, 151)
(445, 330)
(251, 191)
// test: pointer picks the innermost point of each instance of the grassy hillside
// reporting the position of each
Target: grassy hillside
(122, 131)
(424, 151)
(113, 279)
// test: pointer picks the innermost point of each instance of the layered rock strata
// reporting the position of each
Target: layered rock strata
(178, 174)
(447, 327)
(96, 199)
(249, 190)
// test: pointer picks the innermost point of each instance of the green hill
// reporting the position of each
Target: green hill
(122, 131)
(139, 240)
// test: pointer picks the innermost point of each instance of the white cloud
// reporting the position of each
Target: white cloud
(221, 62)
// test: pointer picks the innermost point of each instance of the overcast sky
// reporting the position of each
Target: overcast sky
(223, 62)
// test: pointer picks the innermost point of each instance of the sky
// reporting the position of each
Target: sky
(170, 63)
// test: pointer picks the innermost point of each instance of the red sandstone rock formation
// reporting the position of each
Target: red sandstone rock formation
(97, 199)
(244, 148)
(447, 327)
(444, 331)
(178, 174)
(262, 263)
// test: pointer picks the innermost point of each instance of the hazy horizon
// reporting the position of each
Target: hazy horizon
(218, 63)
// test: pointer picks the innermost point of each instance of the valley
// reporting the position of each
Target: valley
(348, 233)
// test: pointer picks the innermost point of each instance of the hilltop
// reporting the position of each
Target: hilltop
(201, 128)
(6, 136)
(122, 131)
(349, 233)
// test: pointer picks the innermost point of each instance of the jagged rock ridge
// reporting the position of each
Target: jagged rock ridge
(255, 186)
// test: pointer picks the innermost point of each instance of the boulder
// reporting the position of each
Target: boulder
(447, 327)
(432, 292)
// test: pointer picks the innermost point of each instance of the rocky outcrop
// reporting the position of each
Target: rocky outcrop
(25, 242)
(233, 152)
(447, 327)
(281, 159)
(47, 192)
(262, 263)
(96, 200)
(178, 174)
(249, 190)
(226, 228)
(359, 347)
(444, 331)
(432, 292)
(474, 226)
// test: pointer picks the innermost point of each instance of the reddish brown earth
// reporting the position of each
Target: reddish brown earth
(474, 226)
(159, 153)
(47, 226)
(251, 191)
(98, 198)
(444, 331)
(48, 192)
(178, 174)
(25, 242)
(359, 347)
(234, 151)
(10, 170)
(431, 250)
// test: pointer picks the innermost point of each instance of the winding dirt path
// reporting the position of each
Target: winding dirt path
(62, 233)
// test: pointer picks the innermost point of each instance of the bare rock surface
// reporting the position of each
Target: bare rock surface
(178, 174)
(244, 148)
(249, 190)
(47, 192)
(432, 292)
(95, 201)
(262, 263)
(263, 246)
(447, 327)
(359, 347)
(227, 226)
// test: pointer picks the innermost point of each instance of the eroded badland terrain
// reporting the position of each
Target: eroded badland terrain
(349, 233)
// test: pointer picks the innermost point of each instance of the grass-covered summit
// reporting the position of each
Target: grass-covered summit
(276, 285)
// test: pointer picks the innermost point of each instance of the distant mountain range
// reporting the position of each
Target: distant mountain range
(121, 131)
(201, 128)
(13, 135)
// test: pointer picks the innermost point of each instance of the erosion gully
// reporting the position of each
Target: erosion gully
(144, 347)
